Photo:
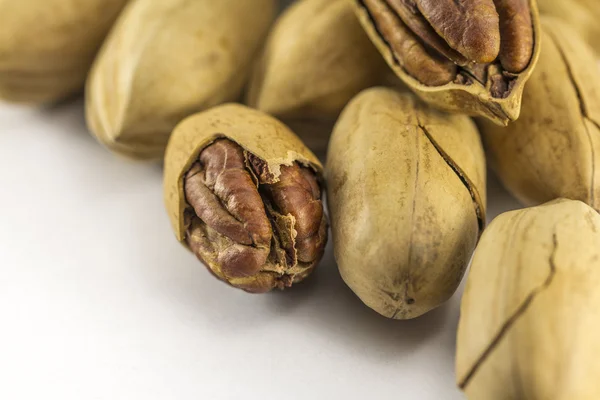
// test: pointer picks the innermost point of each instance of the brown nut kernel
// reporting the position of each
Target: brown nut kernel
(517, 34)
(471, 56)
(424, 65)
(256, 221)
(469, 27)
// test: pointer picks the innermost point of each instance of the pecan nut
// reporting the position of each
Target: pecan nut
(529, 315)
(233, 195)
(463, 33)
(244, 194)
(396, 242)
(470, 56)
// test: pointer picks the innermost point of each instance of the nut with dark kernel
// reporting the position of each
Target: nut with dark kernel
(447, 34)
(267, 232)
(471, 56)
(249, 210)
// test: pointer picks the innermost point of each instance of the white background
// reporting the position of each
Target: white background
(99, 301)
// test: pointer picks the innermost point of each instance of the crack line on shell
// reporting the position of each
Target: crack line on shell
(473, 191)
(584, 113)
(513, 319)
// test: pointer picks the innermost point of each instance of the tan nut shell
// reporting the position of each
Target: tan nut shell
(47, 46)
(317, 57)
(404, 223)
(166, 60)
(530, 314)
(474, 99)
(256, 132)
(553, 150)
(583, 15)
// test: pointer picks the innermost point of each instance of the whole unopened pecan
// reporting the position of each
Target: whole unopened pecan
(316, 58)
(165, 60)
(478, 53)
(48, 46)
(251, 198)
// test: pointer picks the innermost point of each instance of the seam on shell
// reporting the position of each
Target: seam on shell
(473, 191)
(593, 166)
(521, 310)
(412, 231)
(584, 113)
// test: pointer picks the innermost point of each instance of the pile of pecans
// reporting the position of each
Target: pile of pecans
(406, 100)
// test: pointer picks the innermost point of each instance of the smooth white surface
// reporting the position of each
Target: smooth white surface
(99, 301)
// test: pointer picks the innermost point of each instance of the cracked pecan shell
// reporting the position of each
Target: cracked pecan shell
(471, 56)
(406, 217)
(553, 150)
(529, 315)
(244, 195)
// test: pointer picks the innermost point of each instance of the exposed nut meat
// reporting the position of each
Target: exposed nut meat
(443, 41)
(517, 34)
(468, 26)
(223, 195)
(426, 66)
(252, 229)
(415, 21)
(298, 194)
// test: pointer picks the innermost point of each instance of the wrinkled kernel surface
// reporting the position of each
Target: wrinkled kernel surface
(253, 230)
(466, 41)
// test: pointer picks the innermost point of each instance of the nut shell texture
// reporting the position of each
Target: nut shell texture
(553, 150)
(582, 15)
(166, 60)
(317, 57)
(48, 46)
(530, 312)
(406, 194)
